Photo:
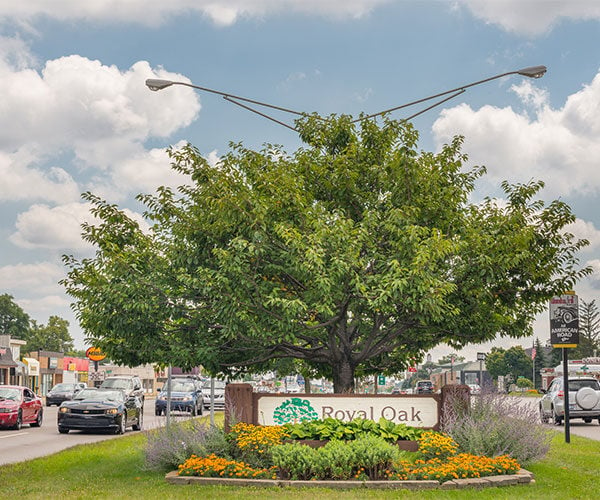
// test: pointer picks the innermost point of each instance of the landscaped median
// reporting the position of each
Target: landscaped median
(521, 477)
(266, 456)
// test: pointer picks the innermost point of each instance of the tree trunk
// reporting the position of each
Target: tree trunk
(343, 377)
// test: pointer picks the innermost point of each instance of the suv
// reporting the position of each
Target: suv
(219, 394)
(424, 387)
(186, 395)
(584, 400)
(131, 385)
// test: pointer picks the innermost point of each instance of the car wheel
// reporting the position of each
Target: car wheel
(557, 420)
(543, 417)
(587, 420)
(63, 430)
(121, 428)
(48, 404)
(194, 411)
(38, 420)
(157, 412)
(19, 421)
(138, 425)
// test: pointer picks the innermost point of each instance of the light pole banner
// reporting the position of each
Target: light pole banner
(564, 320)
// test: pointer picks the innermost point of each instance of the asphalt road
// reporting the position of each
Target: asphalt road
(34, 442)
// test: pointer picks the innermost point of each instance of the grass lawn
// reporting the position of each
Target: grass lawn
(114, 469)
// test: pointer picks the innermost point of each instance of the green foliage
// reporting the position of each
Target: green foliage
(13, 320)
(331, 428)
(168, 447)
(497, 424)
(54, 336)
(337, 459)
(589, 331)
(295, 461)
(354, 255)
(524, 383)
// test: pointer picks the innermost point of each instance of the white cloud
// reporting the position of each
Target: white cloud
(221, 12)
(558, 146)
(531, 17)
(40, 277)
(58, 228)
(586, 230)
(22, 181)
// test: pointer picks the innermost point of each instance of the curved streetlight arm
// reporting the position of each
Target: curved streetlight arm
(531, 72)
(158, 84)
(155, 84)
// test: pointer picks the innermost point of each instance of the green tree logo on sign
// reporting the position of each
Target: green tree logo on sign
(294, 410)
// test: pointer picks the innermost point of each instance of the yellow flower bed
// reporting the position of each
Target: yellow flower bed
(213, 466)
(461, 466)
(258, 438)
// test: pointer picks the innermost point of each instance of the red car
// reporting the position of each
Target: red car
(19, 405)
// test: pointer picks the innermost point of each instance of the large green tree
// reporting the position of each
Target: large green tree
(54, 336)
(355, 255)
(13, 320)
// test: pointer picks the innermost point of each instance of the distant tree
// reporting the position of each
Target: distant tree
(51, 337)
(589, 331)
(495, 363)
(13, 320)
(446, 360)
(518, 362)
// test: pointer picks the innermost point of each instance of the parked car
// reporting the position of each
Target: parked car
(424, 387)
(101, 409)
(584, 400)
(19, 405)
(186, 395)
(130, 384)
(219, 394)
(474, 388)
(63, 392)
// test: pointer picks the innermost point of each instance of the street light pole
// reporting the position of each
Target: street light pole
(156, 84)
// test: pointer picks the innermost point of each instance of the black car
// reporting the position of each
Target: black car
(424, 387)
(101, 409)
(63, 392)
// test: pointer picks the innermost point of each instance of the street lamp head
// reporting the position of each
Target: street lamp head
(533, 71)
(155, 84)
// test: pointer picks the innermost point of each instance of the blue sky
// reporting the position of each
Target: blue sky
(76, 115)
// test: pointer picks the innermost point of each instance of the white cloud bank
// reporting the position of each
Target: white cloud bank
(559, 146)
(154, 12)
(529, 17)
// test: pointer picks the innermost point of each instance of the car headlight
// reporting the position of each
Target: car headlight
(112, 411)
(64, 409)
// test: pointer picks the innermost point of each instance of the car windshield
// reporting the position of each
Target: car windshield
(99, 395)
(10, 393)
(180, 386)
(575, 385)
(219, 384)
(115, 383)
(63, 388)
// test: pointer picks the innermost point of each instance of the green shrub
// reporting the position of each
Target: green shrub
(167, 447)
(495, 425)
(366, 457)
(294, 461)
(335, 460)
(374, 455)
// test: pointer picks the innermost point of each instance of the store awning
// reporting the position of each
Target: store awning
(33, 367)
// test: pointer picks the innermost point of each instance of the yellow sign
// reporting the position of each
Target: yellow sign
(95, 354)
